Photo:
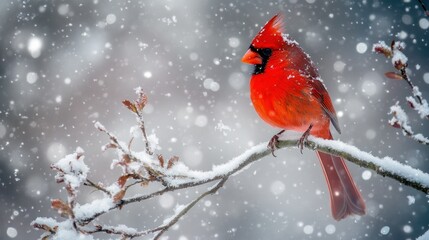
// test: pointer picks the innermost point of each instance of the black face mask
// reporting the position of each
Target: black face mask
(265, 54)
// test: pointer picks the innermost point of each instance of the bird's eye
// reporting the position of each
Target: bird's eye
(265, 52)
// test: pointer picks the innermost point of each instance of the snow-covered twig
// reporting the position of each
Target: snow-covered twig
(416, 101)
(400, 120)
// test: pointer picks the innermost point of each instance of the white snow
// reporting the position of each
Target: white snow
(385, 230)
(111, 18)
(366, 175)
(361, 47)
(11, 232)
(399, 57)
(386, 163)
(424, 23)
(308, 229)
(177, 211)
(411, 200)
(233, 42)
(401, 118)
(277, 187)
(90, 209)
(64, 231)
(32, 77)
(34, 46)
(425, 236)
(73, 170)
(423, 108)
(124, 229)
(286, 38)
(99, 126)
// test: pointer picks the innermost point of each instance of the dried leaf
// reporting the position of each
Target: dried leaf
(118, 196)
(43, 227)
(122, 180)
(399, 64)
(130, 105)
(161, 160)
(411, 104)
(109, 145)
(126, 159)
(62, 208)
(393, 75)
(172, 161)
(379, 48)
(395, 124)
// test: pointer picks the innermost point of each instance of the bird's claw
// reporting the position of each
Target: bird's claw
(304, 138)
(273, 143)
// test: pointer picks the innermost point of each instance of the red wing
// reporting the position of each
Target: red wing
(318, 90)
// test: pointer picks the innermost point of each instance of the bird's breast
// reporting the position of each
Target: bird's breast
(285, 102)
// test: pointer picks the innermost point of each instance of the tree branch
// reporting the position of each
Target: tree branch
(145, 167)
(387, 167)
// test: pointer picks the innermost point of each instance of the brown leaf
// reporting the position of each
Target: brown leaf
(122, 180)
(43, 227)
(172, 161)
(399, 64)
(62, 208)
(130, 105)
(126, 159)
(411, 104)
(118, 196)
(110, 145)
(383, 50)
(395, 124)
(393, 75)
(161, 160)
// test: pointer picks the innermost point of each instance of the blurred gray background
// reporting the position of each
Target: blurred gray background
(65, 64)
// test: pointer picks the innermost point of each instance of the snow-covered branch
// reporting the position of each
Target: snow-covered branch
(416, 101)
(143, 168)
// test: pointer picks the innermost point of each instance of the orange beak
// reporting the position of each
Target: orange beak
(251, 57)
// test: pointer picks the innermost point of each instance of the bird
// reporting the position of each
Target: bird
(288, 93)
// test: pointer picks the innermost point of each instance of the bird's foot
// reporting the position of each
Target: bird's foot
(272, 144)
(304, 137)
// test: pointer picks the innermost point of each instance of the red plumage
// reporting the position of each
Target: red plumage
(287, 93)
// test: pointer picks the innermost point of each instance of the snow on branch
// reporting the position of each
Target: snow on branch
(416, 101)
(141, 168)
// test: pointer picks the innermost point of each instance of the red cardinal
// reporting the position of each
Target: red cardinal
(287, 93)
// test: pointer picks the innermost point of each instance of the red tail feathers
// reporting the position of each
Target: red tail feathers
(345, 197)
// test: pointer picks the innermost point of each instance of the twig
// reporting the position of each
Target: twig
(142, 127)
(416, 101)
(160, 230)
(176, 218)
(400, 120)
(97, 186)
(424, 8)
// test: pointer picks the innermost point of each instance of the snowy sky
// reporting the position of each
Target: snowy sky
(65, 65)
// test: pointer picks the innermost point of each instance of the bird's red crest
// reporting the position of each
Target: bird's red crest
(270, 35)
